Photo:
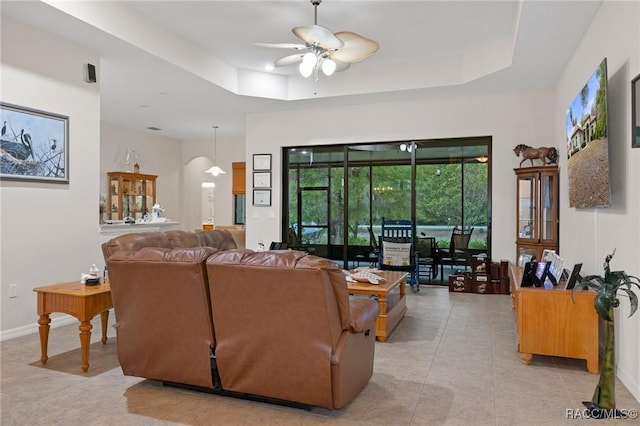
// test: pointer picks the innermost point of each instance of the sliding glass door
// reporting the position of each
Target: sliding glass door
(336, 194)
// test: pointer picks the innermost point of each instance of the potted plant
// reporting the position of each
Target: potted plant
(603, 403)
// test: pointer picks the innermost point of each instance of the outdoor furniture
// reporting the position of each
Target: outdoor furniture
(426, 258)
(457, 254)
(372, 256)
(397, 250)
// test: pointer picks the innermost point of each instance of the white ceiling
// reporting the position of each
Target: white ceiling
(184, 66)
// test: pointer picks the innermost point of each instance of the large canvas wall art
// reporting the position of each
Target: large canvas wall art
(588, 144)
(34, 145)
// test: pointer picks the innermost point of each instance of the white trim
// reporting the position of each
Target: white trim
(33, 328)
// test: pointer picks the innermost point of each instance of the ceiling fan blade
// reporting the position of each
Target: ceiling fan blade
(316, 34)
(288, 60)
(356, 47)
(341, 66)
(296, 46)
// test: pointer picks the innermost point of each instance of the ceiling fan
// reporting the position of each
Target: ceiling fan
(323, 49)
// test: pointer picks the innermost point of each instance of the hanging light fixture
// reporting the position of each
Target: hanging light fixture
(215, 170)
(407, 147)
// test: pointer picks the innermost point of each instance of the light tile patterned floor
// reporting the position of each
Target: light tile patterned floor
(451, 361)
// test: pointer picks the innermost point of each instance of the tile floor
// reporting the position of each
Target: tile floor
(451, 361)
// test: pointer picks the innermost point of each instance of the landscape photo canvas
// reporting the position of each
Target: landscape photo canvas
(588, 144)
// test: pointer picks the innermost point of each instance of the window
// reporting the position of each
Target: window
(334, 193)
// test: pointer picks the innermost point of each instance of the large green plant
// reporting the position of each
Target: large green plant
(608, 288)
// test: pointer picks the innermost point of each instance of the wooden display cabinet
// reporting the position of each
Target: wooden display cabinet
(131, 195)
(551, 322)
(537, 212)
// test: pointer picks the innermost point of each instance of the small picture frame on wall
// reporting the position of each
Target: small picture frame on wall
(262, 197)
(35, 145)
(262, 162)
(262, 179)
(635, 112)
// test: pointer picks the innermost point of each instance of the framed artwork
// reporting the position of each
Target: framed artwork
(261, 161)
(261, 197)
(262, 179)
(34, 145)
(635, 112)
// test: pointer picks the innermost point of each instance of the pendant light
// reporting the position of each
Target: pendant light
(215, 170)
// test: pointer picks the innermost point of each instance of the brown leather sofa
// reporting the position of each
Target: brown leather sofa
(176, 238)
(275, 325)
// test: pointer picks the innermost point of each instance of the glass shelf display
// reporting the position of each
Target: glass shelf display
(537, 210)
(132, 195)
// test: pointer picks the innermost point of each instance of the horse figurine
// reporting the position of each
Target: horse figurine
(543, 154)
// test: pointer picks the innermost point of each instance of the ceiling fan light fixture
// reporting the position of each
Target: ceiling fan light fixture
(310, 59)
(306, 69)
(331, 52)
(328, 66)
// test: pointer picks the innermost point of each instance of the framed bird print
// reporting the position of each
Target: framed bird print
(34, 145)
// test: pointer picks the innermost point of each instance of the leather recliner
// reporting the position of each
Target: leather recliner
(162, 309)
(287, 329)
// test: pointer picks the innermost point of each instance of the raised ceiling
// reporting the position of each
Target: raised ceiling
(184, 66)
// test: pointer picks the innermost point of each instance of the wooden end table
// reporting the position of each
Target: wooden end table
(389, 316)
(83, 302)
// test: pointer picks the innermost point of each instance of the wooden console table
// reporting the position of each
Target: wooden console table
(392, 306)
(550, 323)
(83, 302)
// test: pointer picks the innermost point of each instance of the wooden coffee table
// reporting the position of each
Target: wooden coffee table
(83, 302)
(392, 307)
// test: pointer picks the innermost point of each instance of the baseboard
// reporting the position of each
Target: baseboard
(33, 328)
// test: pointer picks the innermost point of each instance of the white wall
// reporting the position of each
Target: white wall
(49, 232)
(159, 156)
(588, 235)
(510, 119)
(195, 163)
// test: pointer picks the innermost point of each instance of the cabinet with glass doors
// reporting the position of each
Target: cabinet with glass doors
(537, 213)
(131, 195)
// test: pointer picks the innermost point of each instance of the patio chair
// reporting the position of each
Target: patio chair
(397, 249)
(457, 254)
(426, 258)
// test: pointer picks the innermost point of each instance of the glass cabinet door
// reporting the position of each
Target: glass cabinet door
(526, 208)
(114, 198)
(537, 215)
(548, 206)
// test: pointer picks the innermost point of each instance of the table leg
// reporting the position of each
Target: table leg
(381, 321)
(85, 339)
(525, 358)
(43, 329)
(104, 317)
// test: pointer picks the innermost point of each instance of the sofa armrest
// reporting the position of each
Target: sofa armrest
(364, 311)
